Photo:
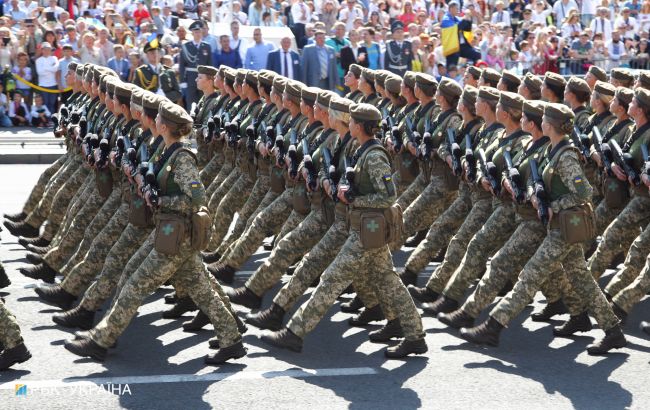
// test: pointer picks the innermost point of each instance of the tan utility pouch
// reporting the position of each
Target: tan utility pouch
(577, 224)
(615, 192)
(140, 214)
(201, 229)
(277, 180)
(300, 200)
(170, 233)
(104, 181)
(379, 227)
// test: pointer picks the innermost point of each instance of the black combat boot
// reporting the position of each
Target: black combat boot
(210, 257)
(423, 295)
(487, 333)
(578, 323)
(244, 297)
(15, 355)
(456, 319)
(223, 273)
(408, 277)
(42, 272)
(38, 241)
(506, 289)
(19, 217)
(405, 348)
(224, 354)
(645, 327)
(440, 257)
(269, 244)
(390, 330)
(21, 229)
(197, 323)
(550, 310)
(39, 249)
(415, 240)
(86, 348)
(170, 299)
(213, 343)
(373, 314)
(283, 338)
(76, 317)
(56, 295)
(614, 339)
(444, 304)
(270, 318)
(4, 279)
(353, 306)
(182, 306)
(241, 326)
(622, 315)
(34, 258)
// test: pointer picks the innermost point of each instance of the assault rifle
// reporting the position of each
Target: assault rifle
(625, 161)
(604, 151)
(540, 192)
(292, 153)
(455, 151)
(312, 173)
(279, 144)
(388, 126)
(489, 171)
(348, 180)
(470, 159)
(514, 178)
(330, 173)
(581, 141)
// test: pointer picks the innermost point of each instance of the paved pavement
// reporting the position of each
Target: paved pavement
(157, 366)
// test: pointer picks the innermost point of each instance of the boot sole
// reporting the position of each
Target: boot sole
(61, 322)
(456, 325)
(476, 343)
(292, 348)
(235, 356)
(401, 356)
(260, 325)
(568, 335)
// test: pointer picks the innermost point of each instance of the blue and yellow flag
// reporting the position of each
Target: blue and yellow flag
(449, 35)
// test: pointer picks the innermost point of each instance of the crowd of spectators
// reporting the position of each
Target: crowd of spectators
(40, 37)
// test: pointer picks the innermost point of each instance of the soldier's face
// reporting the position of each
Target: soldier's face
(633, 109)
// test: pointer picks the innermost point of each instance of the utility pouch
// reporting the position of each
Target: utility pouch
(577, 224)
(277, 180)
(300, 201)
(170, 233)
(615, 192)
(140, 214)
(104, 181)
(201, 229)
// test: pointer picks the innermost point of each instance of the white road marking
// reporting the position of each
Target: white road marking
(190, 378)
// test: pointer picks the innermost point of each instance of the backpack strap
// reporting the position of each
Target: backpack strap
(168, 169)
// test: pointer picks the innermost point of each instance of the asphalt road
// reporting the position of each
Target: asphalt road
(157, 366)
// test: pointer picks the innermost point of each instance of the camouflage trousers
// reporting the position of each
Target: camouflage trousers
(553, 255)
(222, 183)
(231, 202)
(620, 234)
(154, 271)
(353, 260)
(441, 232)
(39, 189)
(83, 195)
(604, 216)
(480, 212)
(509, 261)
(635, 291)
(63, 201)
(407, 193)
(211, 170)
(9, 330)
(633, 265)
(426, 208)
(122, 260)
(269, 220)
(86, 224)
(261, 197)
(492, 236)
(42, 209)
(81, 274)
(292, 222)
(292, 246)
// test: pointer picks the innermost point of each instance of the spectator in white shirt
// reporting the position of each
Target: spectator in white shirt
(301, 15)
(625, 24)
(40, 113)
(616, 50)
(18, 111)
(588, 11)
(571, 27)
(46, 67)
(602, 24)
(237, 43)
(88, 53)
(561, 9)
(540, 13)
(500, 15)
(349, 13)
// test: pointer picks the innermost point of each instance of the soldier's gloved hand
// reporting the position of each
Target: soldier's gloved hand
(506, 185)
(619, 172)
(139, 183)
(596, 157)
(147, 199)
(534, 202)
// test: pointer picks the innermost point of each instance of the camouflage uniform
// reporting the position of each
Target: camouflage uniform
(635, 291)
(477, 216)
(567, 187)
(158, 267)
(62, 200)
(9, 330)
(633, 265)
(204, 109)
(620, 234)
(353, 260)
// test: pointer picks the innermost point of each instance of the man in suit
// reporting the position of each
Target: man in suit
(156, 77)
(398, 51)
(193, 54)
(285, 61)
(319, 64)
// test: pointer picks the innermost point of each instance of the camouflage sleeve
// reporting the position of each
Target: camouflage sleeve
(378, 168)
(454, 123)
(573, 177)
(186, 176)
